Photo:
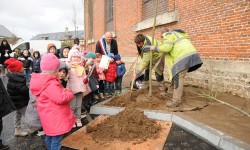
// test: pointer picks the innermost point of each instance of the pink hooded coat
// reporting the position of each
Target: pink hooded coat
(99, 71)
(52, 104)
(75, 83)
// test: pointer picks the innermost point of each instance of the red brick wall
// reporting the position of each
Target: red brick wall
(218, 29)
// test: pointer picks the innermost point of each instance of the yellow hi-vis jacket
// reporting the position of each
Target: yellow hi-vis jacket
(181, 53)
(145, 56)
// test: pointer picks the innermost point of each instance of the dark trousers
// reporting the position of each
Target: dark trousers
(1, 129)
(101, 86)
(159, 78)
(109, 87)
(118, 83)
(27, 73)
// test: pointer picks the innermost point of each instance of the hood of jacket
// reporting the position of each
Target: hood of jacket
(40, 81)
(61, 51)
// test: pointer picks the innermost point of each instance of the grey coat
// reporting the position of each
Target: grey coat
(31, 115)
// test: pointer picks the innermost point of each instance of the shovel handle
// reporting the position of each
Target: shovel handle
(133, 79)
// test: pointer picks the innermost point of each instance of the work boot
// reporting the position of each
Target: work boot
(19, 132)
(164, 94)
(145, 85)
(162, 86)
(173, 103)
(3, 147)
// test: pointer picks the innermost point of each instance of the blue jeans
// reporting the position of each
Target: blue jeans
(53, 142)
(27, 73)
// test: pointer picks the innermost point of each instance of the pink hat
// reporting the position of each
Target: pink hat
(74, 52)
(75, 47)
(49, 63)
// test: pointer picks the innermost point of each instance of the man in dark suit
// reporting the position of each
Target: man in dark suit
(107, 45)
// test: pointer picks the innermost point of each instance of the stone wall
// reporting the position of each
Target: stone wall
(223, 76)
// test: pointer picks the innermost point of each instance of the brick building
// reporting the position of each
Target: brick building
(220, 30)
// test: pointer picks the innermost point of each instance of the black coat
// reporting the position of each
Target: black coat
(3, 58)
(36, 65)
(27, 61)
(6, 105)
(17, 89)
(113, 47)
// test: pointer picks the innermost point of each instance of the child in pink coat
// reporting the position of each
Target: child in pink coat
(77, 76)
(52, 101)
(100, 72)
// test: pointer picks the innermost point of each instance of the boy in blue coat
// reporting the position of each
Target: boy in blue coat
(120, 71)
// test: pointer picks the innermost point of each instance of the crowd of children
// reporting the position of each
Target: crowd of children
(61, 86)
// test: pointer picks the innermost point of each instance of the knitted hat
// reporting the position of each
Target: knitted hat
(51, 45)
(49, 63)
(75, 47)
(111, 55)
(90, 55)
(13, 65)
(117, 57)
(74, 52)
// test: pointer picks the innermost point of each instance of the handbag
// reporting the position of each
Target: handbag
(6, 105)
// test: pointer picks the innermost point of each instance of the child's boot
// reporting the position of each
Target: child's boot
(19, 132)
(32, 130)
(96, 97)
(78, 123)
(102, 96)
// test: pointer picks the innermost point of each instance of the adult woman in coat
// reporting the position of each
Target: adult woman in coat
(5, 52)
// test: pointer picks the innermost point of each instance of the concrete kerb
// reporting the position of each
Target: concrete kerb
(211, 135)
(101, 109)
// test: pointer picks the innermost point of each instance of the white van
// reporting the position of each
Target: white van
(36, 45)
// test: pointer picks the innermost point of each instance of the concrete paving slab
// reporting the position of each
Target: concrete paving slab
(230, 143)
(158, 115)
(105, 110)
(212, 135)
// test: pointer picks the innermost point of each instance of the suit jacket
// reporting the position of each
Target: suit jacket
(113, 47)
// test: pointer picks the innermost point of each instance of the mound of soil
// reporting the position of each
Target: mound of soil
(128, 125)
(139, 99)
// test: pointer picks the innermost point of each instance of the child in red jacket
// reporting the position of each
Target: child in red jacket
(110, 76)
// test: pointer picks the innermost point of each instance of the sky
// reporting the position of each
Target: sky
(27, 18)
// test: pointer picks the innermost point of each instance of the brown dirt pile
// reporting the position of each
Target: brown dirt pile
(139, 99)
(128, 125)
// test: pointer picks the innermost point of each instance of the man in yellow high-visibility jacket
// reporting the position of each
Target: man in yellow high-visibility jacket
(143, 44)
(182, 58)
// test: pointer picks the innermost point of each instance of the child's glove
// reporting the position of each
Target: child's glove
(86, 81)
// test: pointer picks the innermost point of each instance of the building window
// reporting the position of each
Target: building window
(109, 15)
(90, 19)
(148, 8)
